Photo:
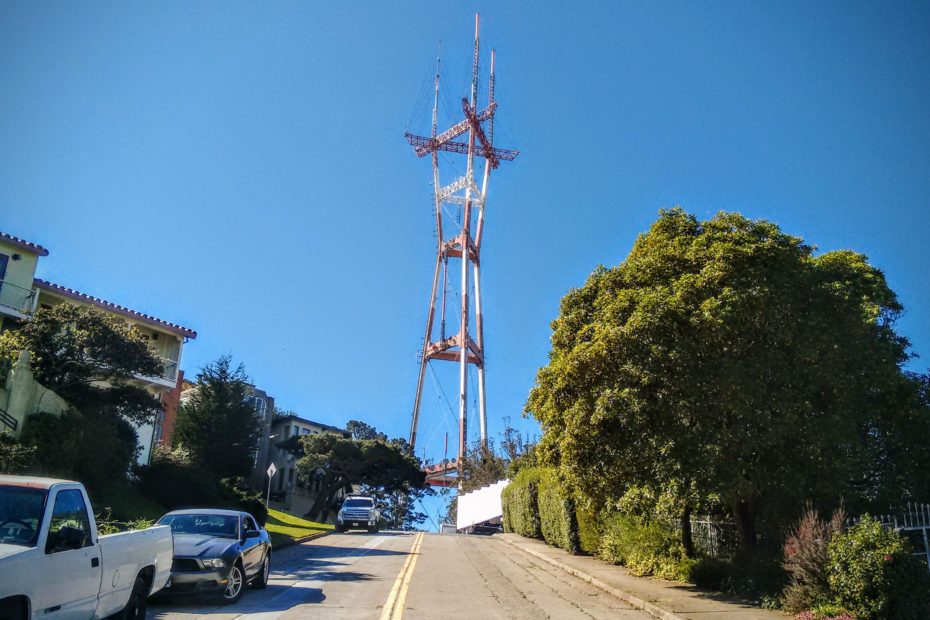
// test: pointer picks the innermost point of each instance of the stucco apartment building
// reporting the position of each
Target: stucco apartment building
(22, 294)
(288, 490)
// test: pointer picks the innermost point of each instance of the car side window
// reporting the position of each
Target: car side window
(70, 526)
(250, 524)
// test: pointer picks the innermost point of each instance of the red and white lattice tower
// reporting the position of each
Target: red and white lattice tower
(464, 245)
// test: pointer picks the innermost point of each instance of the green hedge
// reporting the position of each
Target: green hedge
(556, 513)
(589, 529)
(520, 504)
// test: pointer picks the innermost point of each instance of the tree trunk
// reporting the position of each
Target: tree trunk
(320, 509)
(746, 521)
(686, 540)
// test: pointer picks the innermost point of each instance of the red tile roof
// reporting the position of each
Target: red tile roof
(33, 248)
(107, 305)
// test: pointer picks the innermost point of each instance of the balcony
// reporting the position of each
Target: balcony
(169, 369)
(16, 301)
(166, 379)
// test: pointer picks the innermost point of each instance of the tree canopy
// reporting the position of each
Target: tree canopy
(725, 361)
(217, 424)
(89, 358)
(346, 462)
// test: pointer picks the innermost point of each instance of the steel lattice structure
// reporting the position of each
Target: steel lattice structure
(465, 192)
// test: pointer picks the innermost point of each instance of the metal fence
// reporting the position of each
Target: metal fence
(714, 538)
(913, 522)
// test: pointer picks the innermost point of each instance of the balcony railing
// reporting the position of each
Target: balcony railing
(169, 369)
(16, 297)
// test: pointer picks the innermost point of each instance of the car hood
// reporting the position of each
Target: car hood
(200, 546)
(11, 550)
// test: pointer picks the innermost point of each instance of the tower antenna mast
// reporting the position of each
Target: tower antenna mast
(460, 348)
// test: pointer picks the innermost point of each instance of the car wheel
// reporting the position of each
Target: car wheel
(261, 581)
(339, 529)
(135, 607)
(235, 584)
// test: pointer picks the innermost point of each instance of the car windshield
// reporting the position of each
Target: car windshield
(20, 514)
(358, 503)
(221, 526)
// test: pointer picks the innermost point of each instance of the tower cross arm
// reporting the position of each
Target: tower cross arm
(456, 130)
(461, 147)
(472, 118)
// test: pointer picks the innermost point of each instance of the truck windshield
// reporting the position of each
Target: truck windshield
(20, 514)
(358, 503)
(220, 526)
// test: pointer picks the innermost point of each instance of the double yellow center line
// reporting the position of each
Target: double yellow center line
(394, 607)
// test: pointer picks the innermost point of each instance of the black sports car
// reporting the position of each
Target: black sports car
(217, 551)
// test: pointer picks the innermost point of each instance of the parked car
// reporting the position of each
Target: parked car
(358, 511)
(55, 565)
(217, 551)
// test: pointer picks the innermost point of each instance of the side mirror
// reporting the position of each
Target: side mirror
(252, 533)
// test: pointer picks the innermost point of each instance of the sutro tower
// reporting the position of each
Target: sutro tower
(464, 193)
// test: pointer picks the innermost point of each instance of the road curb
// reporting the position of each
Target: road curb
(635, 601)
(303, 539)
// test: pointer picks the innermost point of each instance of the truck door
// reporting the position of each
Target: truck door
(71, 570)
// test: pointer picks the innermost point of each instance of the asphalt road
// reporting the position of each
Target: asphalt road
(392, 576)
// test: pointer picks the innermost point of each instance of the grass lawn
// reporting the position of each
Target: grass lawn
(284, 527)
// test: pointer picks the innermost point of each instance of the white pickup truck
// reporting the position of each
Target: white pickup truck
(54, 565)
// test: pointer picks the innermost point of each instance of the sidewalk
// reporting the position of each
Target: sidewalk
(668, 600)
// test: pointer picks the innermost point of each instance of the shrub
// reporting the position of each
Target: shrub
(874, 575)
(644, 547)
(236, 494)
(755, 574)
(520, 504)
(15, 457)
(807, 561)
(708, 573)
(589, 531)
(556, 513)
(175, 485)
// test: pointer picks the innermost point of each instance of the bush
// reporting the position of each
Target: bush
(520, 504)
(755, 574)
(237, 494)
(807, 561)
(15, 457)
(646, 548)
(708, 573)
(175, 485)
(97, 450)
(589, 531)
(556, 513)
(874, 574)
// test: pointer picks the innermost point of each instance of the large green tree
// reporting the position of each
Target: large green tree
(89, 358)
(217, 424)
(345, 463)
(724, 360)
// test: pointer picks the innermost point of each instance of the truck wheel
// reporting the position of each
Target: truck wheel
(135, 607)
(235, 584)
(261, 581)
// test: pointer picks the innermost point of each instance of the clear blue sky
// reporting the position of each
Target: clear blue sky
(241, 168)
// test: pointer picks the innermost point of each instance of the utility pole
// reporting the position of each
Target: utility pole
(464, 244)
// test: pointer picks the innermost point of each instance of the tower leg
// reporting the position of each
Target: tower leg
(423, 359)
(479, 333)
(463, 360)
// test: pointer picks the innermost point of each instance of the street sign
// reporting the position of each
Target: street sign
(272, 470)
